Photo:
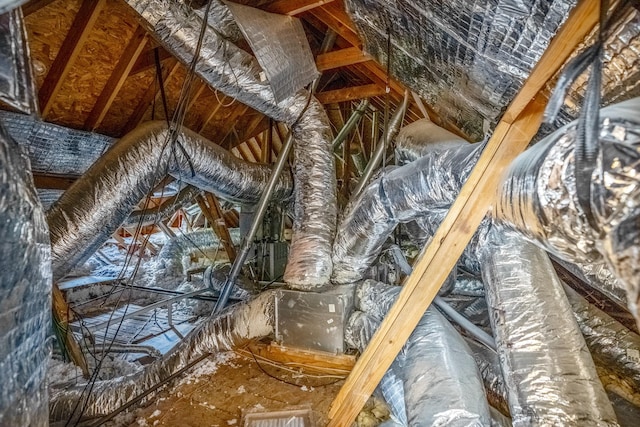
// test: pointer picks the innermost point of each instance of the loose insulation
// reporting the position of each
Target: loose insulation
(236, 73)
(25, 292)
(95, 206)
(538, 197)
(442, 385)
(468, 59)
(232, 328)
(550, 376)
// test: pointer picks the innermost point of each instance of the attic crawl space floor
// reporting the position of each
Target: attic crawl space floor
(223, 387)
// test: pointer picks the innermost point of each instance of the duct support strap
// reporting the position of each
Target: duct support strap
(25, 292)
(97, 204)
(550, 376)
(538, 197)
(236, 73)
(232, 328)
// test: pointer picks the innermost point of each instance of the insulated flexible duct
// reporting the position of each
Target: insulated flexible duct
(97, 204)
(422, 137)
(550, 376)
(233, 328)
(442, 385)
(163, 210)
(236, 73)
(25, 292)
(538, 197)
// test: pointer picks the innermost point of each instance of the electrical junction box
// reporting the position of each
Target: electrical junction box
(313, 321)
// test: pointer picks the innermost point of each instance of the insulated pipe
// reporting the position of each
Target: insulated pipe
(247, 242)
(442, 385)
(236, 73)
(351, 124)
(550, 376)
(25, 292)
(232, 328)
(376, 158)
(164, 210)
(97, 204)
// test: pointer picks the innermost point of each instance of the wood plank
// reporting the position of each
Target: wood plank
(266, 143)
(238, 111)
(34, 5)
(350, 93)
(149, 96)
(62, 316)
(313, 362)
(463, 218)
(341, 58)
(147, 60)
(246, 153)
(53, 182)
(210, 207)
(340, 28)
(71, 47)
(255, 149)
(295, 7)
(117, 79)
(205, 120)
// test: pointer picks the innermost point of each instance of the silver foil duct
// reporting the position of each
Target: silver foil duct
(55, 149)
(614, 347)
(539, 198)
(7, 5)
(550, 376)
(399, 196)
(17, 85)
(95, 206)
(442, 385)
(422, 137)
(163, 210)
(232, 328)
(25, 292)
(236, 73)
(468, 58)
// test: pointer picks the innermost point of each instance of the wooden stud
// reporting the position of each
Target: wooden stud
(344, 31)
(254, 146)
(295, 7)
(212, 211)
(147, 59)
(53, 182)
(71, 47)
(265, 144)
(117, 79)
(62, 315)
(350, 94)
(341, 58)
(457, 228)
(246, 153)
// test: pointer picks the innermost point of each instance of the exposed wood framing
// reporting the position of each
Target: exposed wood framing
(343, 30)
(510, 137)
(147, 60)
(341, 58)
(350, 93)
(295, 7)
(71, 47)
(53, 182)
(62, 315)
(117, 79)
(266, 144)
(34, 5)
(211, 209)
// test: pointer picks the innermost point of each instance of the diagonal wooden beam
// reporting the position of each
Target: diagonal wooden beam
(53, 182)
(211, 209)
(341, 58)
(147, 60)
(343, 30)
(350, 93)
(71, 47)
(205, 120)
(461, 222)
(295, 7)
(34, 5)
(117, 79)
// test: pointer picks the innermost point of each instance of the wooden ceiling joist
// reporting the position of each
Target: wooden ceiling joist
(71, 47)
(295, 7)
(117, 79)
(53, 182)
(34, 5)
(350, 93)
(147, 60)
(511, 136)
(343, 30)
(341, 58)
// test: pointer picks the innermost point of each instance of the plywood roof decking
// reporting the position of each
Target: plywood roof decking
(75, 59)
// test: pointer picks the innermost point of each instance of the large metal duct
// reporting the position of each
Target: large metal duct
(25, 292)
(95, 206)
(235, 327)
(236, 73)
(538, 197)
(442, 385)
(550, 376)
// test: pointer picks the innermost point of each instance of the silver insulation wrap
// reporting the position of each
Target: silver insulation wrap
(614, 348)
(467, 58)
(232, 328)
(442, 385)
(163, 210)
(550, 376)
(422, 137)
(17, 85)
(236, 73)
(7, 5)
(97, 204)
(25, 292)
(538, 197)
(399, 196)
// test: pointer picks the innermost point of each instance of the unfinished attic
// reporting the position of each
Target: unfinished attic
(319, 213)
